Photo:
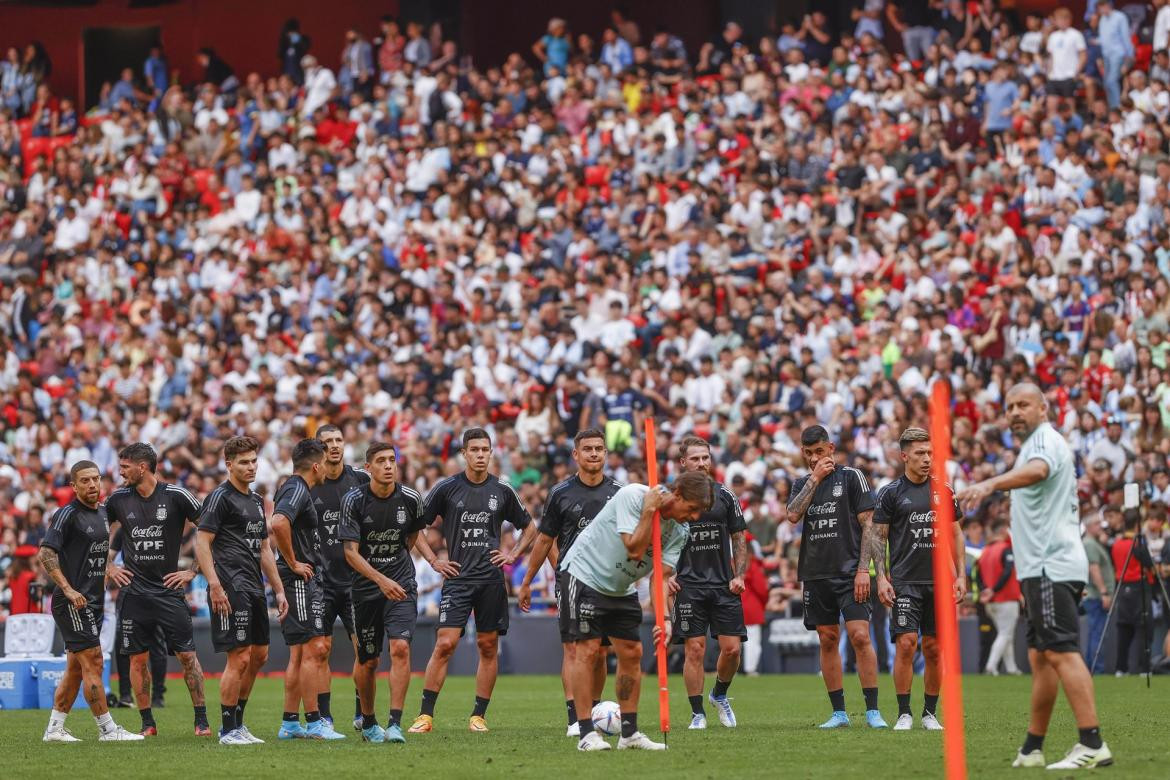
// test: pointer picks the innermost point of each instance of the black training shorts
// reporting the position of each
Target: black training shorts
(338, 603)
(381, 619)
(826, 601)
(80, 628)
(488, 601)
(306, 608)
(699, 610)
(140, 616)
(589, 614)
(913, 610)
(245, 625)
(1053, 612)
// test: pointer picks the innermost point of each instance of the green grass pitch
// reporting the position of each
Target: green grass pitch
(776, 737)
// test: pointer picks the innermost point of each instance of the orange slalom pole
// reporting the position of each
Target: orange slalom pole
(946, 615)
(656, 582)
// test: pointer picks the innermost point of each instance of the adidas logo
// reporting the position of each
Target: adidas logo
(130, 516)
(459, 504)
(906, 501)
(577, 508)
(319, 502)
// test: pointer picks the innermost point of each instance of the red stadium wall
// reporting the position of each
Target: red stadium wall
(243, 32)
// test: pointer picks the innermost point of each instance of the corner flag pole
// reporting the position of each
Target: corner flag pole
(656, 582)
(946, 617)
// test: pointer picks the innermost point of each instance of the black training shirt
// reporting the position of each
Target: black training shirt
(327, 501)
(707, 560)
(571, 506)
(81, 538)
(472, 518)
(237, 520)
(382, 527)
(151, 534)
(905, 507)
(294, 502)
(831, 536)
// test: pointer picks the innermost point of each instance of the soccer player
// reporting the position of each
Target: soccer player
(337, 576)
(570, 506)
(598, 597)
(905, 516)
(152, 518)
(707, 590)
(1053, 568)
(379, 525)
(836, 506)
(73, 554)
(294, 529)
(473, 505)
(232, 548)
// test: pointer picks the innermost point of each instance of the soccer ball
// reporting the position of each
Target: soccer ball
(607, 718)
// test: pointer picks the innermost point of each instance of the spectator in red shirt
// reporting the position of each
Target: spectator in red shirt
(755, 596)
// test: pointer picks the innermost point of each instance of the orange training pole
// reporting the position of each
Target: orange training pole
(656, 582)
(946, 617)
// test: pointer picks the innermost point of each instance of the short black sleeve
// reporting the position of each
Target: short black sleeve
(887, 501)
(735, 520)
(57, 534)
(436, 503)
(350, 527)
(514, 511)
(291, 499)
(188, 505)
(214, 512)
(552, 518)
(860, 496)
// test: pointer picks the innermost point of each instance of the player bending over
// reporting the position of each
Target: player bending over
(598, 597)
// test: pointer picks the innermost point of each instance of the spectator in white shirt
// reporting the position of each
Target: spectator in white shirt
(320, 84)
(1067, 57)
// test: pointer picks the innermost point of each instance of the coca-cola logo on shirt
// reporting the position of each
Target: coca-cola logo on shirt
(254, 527)
(390, 534)
(827, 508)
(921, 517)
(146, 532)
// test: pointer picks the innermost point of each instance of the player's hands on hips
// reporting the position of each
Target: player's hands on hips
(861, 587)
(500, 559)
(662, 635)
(219, 600)
(391, 590)
(524, 598)
(119, 575)
(972, 496)
(824, 468)
(75, 598)
(960, 589)
(281, 606)
(736, 585)
(672, 586)
(177, 580)
(448, 568)
(303, 570)
(885, 592)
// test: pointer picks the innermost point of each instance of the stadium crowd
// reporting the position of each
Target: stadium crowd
(740, 240)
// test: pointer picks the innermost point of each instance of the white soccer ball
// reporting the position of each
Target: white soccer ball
(607, 718)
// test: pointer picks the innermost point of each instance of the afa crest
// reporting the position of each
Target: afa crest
(493, 504)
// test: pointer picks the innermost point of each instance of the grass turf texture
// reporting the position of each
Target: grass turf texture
(776, 737)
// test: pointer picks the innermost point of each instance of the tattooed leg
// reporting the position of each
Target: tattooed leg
(193, 677)
(140, 679)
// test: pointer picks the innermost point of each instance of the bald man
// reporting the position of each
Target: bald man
(1052, 569)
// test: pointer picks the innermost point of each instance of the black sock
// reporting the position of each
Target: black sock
(369, 721)
(720, 688)
(292, 717)
(323, 705)
(1032, 742)
(201, 715)
(1091, 738)
(586, 725)
(903, 703)
(629, 724)
(837, 700)
(571, 708)
(240, 704)
(595, 703)
(929, 704)
(870, 698)
(312, 717)
(481, 705)
(357, 704)
(428, 702)
(697, 704)
(147, 717)
(395, 717)
(228, 714)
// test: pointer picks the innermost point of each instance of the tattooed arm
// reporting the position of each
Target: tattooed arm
(798, 504)
(878, 537)
(51, 563)
(739, 554)
(861, 580)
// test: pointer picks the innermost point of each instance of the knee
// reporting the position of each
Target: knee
(258, 657)
(696, 649)
(317, 650)
(399, 652)
(140, 662)
(907, 644)
(488, 646)
(829, 638)
(631, 653)
(731, 649)
(445, 647)
(930, 649)
(188, 661)
(859, 636)
(585, 653)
